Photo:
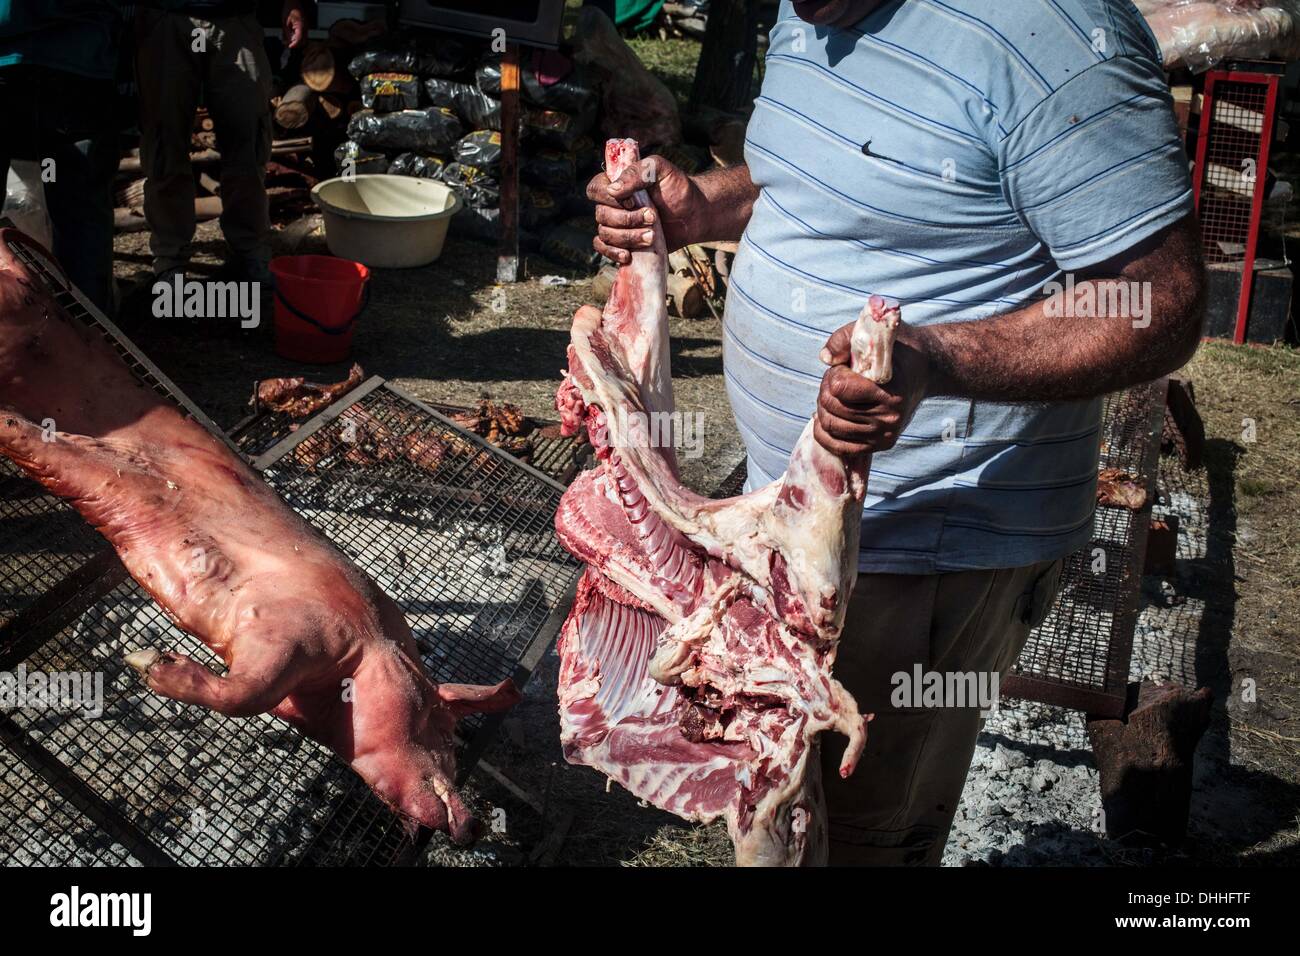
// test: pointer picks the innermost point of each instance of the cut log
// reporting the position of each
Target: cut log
(205, 208)
(332, 105)
(324, 69)
(602, 283)
(685, 297)
(130, 195)
(1145, 762)
(281, 147)
(296, 107)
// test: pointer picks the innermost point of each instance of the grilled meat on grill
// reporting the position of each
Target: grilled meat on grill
(300, 398)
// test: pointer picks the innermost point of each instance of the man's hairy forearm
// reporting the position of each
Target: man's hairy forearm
(1042, 352)
(729, 196)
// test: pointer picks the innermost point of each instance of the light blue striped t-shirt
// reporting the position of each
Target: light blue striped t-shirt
(1008, 142)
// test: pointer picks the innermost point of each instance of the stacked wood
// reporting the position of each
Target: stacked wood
(296, 107)
(690, 282)
(279, 147)
(325, 68)
(325, 95)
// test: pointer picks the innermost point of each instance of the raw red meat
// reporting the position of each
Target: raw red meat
(305, 634)
(696, 664)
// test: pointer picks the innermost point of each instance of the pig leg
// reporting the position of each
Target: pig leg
(259, 678)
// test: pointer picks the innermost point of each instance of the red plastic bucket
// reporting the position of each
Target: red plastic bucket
(317, 302)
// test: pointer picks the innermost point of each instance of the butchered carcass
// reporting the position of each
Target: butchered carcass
(696, 663)
(305, 634)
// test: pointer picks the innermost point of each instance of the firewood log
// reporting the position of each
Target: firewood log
(296, 107)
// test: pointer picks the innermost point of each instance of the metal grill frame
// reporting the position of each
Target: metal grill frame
(1105, 698)
(260, 432)
(1215, 134)
(57, 608)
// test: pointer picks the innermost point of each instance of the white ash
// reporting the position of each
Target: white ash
(1032, 797)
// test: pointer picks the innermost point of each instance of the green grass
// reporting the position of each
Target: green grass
(672, 61)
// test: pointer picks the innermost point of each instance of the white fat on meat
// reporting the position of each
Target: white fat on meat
(696, 663)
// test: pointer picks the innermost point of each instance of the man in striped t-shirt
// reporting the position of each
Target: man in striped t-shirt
(1012, 174)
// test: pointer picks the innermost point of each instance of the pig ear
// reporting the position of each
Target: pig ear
(464, 699)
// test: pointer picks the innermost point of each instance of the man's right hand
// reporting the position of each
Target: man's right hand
(678, 204)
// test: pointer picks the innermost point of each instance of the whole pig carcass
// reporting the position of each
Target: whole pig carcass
(306, 635)
(696, 663)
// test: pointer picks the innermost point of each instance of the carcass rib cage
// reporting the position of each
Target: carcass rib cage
(466, 547)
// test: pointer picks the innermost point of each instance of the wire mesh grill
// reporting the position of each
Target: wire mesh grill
(42, 541)
(39, 827)
(1085, 642)
(1232, 171)
(201, 788)
(458, 532)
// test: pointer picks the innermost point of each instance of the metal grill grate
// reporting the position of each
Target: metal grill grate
(552, 454)
(197, 787)
(464, 544)
(42, 541)
(1079, 656)
(39, 827)
(1231, 171)
(456, 531)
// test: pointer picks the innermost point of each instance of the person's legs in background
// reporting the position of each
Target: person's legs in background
(898, 806)
(65, 123)
(238, 80)
(79, 133)
(169, 73)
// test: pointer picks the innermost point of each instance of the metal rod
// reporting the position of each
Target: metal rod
(77, 793)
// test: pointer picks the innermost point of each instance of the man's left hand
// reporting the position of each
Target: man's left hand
(295, 23)
(856, 416)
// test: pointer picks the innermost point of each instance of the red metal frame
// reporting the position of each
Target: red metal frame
(1270, 81)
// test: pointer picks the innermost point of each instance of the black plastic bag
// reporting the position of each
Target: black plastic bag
(389, 92)
(350, 156)
(549, 169)
(575, 93)
(481, 148)
(555, 130)
(537, 208)
(475, 108)
(414, 164)
(434, 129)
(443, 57)
(474, 185)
